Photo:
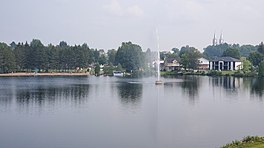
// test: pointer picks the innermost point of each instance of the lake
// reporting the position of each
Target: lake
(109, 112)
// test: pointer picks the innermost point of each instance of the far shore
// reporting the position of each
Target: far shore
(24, 74)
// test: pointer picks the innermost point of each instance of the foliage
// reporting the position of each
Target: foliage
(119, 67)
(111, 56)
(247, 142)
(246, 66)
(218, 50)
(261, 48)
(63, 57)
(189, 57)
(255, 58)
(108, 69)
(102, 60)
(36, 56)
(214, 73)
(245, 50)
(176, 51)
(162, 55)
(97, 69)
(130, 56)
(7, 59)
(261, 69)
(215, 51)
(231, 52)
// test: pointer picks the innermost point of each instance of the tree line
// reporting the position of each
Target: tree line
(34, 56)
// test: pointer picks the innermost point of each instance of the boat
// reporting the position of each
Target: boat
(118, 73)
(158, 82)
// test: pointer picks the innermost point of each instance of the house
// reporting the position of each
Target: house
(225, 63)
(171, 64)
(203, 64)
(155, 64)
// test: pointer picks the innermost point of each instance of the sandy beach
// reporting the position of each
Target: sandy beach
(42, 74)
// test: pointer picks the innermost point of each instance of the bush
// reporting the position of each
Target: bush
(261, 69)
(245, 142)
(214, 73)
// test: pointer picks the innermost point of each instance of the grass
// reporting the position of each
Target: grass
(167, 73)
(247, 142)
(228, 72)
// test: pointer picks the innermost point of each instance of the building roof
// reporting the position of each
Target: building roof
(226, 59)
(170, 60)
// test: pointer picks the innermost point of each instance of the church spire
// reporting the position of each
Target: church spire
(221, 40)
(214, 40)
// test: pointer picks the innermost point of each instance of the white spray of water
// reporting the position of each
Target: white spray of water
(158, 56)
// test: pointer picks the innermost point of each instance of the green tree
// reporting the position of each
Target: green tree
(97, 70)
(261, 48)
(215, 51)
(13, 45)
(63, 44)
(53, 57)
(232, 52)
(245, 50)
(38, 56)
(111, 56)
(162, 55)
(7, 59)
(119, 67)
(102, 60)
(246, 65)
(176, 51)
(255, 58)
(20, 53)
(130, 56)
(189, 57)
(108, 70)
(261, 69)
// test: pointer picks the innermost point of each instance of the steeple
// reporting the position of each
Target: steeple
(221, 40)
(214, 40)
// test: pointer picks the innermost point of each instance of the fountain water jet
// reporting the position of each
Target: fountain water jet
(158, 82)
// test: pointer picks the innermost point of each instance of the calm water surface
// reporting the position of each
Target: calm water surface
(108, 112)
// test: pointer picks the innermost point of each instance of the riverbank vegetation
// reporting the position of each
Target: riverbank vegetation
(247, 142)
(129, 58)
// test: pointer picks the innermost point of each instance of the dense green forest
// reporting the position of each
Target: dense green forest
(24, 57)
(34, 56)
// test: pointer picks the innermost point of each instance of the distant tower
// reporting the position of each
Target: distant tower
(221, 40)
(214, 40)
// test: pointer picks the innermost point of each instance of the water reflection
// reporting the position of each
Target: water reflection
(230, 84)
(130, 93)
(257, 87)
(190, 86)
(5, 100)
(51, 95)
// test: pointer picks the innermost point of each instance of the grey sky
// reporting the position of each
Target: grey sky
(107, 23)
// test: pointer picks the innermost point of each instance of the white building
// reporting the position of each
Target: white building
(225, 63)
(203, 64)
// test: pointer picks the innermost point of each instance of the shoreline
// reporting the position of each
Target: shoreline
(25, 74)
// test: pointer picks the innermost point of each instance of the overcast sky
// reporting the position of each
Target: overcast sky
(105, 24)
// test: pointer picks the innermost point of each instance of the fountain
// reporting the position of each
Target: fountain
(158, 82)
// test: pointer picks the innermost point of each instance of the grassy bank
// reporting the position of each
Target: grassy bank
(211, 73)
(247, 142)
